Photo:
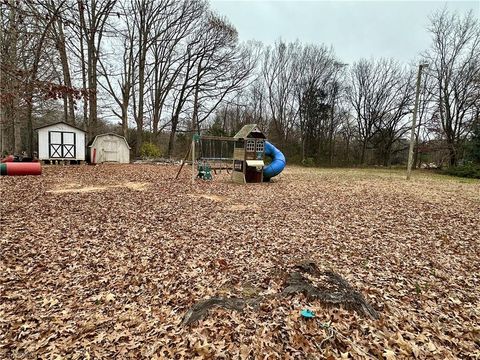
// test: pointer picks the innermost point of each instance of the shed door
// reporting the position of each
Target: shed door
(61, 144)
(110, 150)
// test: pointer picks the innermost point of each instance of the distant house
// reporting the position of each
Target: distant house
(109, 148)
(61, 141)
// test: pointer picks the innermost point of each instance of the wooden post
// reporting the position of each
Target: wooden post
(414, 121)
(183, 162)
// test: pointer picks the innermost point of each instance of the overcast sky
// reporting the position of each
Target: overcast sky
(356, 29)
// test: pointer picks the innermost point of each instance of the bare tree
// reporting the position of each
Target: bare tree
(454, 63)
(10, 21)
(93, 15)
(380, 95)
(281, 72)
(317, 90)
(28, 72)
(336, 96)
(347, 134)
(47, 18)
(159, 28)
(215, 66)
(168, 53)
(59, 35)
(256, 105)
(119, 78)
(36, 75)
(121, 89)
(228, 71)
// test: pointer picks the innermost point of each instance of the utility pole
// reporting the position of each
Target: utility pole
(414, 121)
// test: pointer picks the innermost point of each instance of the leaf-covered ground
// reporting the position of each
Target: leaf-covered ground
(104, 261)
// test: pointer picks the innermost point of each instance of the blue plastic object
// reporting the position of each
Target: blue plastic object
(278, 161)
(308, 314)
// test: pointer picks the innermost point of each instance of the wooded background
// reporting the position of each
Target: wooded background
(158, 71)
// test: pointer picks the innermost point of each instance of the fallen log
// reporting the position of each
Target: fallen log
(326, 286)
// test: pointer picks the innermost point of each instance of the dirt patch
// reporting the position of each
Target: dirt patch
(78, 189)
(135, 186)
(242, 207)
(215, 198)
(73, 187)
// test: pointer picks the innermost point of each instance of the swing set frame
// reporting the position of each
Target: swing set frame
(221, 162)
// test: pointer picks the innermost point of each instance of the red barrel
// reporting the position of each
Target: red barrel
(21, 168)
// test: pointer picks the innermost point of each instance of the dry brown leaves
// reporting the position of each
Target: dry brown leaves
(111, 273)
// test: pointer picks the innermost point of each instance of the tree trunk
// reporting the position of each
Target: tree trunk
(138, 144)
(452, 155)
(12, 60)
(415, 157)
(124, 122)
(388, 156)
(92, 88)
(143, 45)
(195, 123)
(65, 107)
(171, 139)
(303, 149)
(348, 151)
(331, 130)
(82, 59)
(364, 148)
(331, 149)
(176, 115)
(8, 126)
(67, 80)
(30, 125)
(17, 130)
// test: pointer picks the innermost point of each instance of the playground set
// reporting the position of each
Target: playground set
(242, 156)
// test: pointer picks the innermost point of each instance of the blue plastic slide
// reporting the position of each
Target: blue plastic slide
(278, 162)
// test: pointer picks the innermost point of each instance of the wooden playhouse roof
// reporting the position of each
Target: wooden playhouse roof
(247, 130)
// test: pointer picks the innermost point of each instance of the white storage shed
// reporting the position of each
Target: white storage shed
(109, 148)
(61, 141)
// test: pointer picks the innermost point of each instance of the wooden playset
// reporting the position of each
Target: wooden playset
(242, 155)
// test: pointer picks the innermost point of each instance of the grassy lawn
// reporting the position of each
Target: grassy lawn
(104, 262)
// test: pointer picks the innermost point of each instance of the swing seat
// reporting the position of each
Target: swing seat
(208, 173)
(222, 166)
(204, 172)
(208, 176)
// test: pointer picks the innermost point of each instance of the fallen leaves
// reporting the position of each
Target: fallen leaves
(111, 273)
(389, 354)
